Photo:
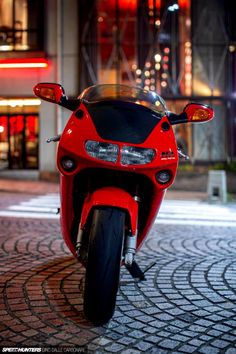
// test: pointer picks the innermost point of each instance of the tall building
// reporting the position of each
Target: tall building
(184, 50)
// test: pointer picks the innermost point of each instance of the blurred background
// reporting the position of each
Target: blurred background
(184, 50)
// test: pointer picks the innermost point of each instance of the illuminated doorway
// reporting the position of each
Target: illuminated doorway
(19, 141)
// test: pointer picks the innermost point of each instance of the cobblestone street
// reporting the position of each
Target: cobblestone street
(186, 304)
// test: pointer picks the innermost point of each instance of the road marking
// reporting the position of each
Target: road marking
(42, 207)
(172, 212)
(196, 213)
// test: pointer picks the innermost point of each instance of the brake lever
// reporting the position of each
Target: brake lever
(182, 155)
(54, 138)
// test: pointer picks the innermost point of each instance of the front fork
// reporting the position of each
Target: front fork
(115, 197)
(130, 246)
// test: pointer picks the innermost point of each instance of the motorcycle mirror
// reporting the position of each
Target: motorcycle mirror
(49, 92)
(55, 93)
(197, 113)
(193, 113)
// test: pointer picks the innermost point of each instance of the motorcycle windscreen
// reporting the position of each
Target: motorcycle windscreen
(123, 121)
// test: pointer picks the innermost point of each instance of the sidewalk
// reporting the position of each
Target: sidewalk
(43, 187)
(28, 187)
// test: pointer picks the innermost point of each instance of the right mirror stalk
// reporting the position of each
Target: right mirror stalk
(193, 112)
(197, 113)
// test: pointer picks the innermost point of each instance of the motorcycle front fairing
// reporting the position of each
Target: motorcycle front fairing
(124, 128)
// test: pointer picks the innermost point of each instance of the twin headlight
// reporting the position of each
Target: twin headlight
(130, 155)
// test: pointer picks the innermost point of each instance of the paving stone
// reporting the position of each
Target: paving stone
(189, 333)
(169, 344)
(164, 334)
(188, 349)
(143, 346)
(219, 343)
(208, 350)
(157, 324)
(175, 311)
(145, 318)
(137, 334)
(133, 313)
(215, 318)
(221, 327)
(196, 342)
(136, 325)
(197, 328)
(127, 340)
(121, 329)
(149, 329)
(214, 333)
(124, 319)
(205, 323)
(230, 351)
(201, 313)
(172, 329)
(154, 339)
(164, 317)
(114, 348)
(130, 351)
(179, 337)
(225, 313)
(151, 310)
(229, 337)
(206, 337)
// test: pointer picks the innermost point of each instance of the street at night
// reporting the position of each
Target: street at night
(115, 116)
(186, 304)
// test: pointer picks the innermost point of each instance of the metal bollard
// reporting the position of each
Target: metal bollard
(216, 186)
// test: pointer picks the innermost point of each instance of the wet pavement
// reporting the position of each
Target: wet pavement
(186, 304)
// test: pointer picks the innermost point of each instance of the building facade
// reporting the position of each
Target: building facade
(184, 50)
(38, 43)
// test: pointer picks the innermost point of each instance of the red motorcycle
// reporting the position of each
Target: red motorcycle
(117, 156)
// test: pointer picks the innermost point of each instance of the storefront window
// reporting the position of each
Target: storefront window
(18, 142)
(21, 25)
(140, 43)
(116, 40)
(4, 143)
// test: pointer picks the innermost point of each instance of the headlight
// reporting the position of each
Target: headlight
(131, 155)
(102, 151)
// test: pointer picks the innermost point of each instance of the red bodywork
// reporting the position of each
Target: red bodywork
(86, 186)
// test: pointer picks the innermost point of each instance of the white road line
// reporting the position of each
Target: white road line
(15, 214)
(39, 209)
(196, 213)
(195, 222)
(171, 212)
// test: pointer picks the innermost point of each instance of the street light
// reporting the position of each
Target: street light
(173, 8)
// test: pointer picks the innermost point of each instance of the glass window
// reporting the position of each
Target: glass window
(31, 141)
(21, 25)
(116, 40)
(18, 141)
(4, 145)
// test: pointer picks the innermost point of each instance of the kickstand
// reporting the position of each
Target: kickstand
(136, 272)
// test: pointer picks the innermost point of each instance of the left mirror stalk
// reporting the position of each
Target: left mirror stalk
(55, 93)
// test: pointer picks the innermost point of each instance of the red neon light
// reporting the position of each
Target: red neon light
(16, 63)
(157, 4)
(128, 5)
(184, 4)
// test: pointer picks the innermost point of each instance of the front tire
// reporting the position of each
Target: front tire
(103, 265)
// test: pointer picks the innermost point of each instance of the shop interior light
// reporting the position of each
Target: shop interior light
(17, 63)
(20, 102)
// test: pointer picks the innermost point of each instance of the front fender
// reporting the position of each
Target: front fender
(111, 196)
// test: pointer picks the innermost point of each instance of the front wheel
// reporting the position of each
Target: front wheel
(103, 264)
